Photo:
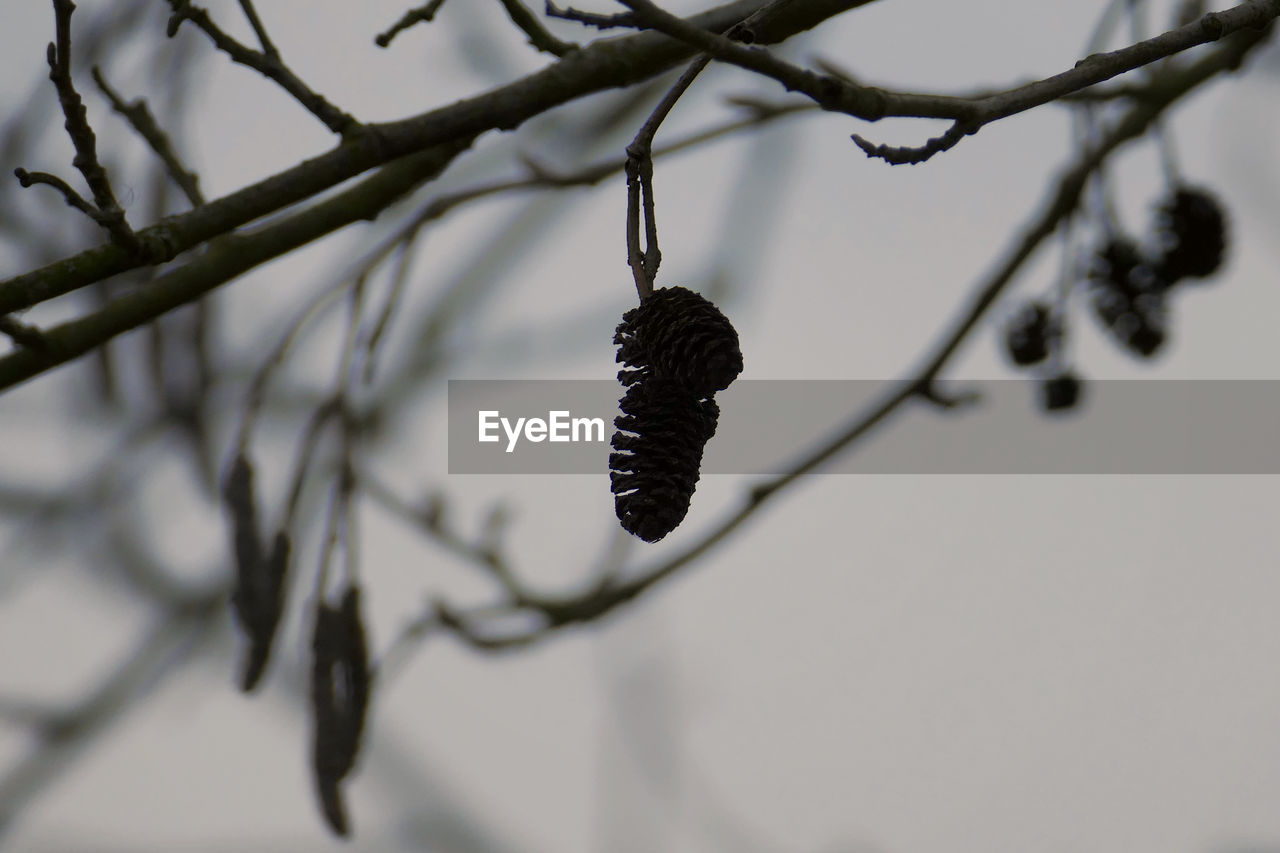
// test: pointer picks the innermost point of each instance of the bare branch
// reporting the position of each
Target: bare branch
(139, 117)
(264, 40)
(73, 198)
(644, 262)
(539, 36)
(897, 156)
(423, 14)
(616, 63)
(839, 95)
(266, 62)
(106, 211)
(610, 592)
(233, 256)
(591, 19)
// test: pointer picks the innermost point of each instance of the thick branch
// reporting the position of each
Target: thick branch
(871, 103)
(613, 63)
(231, 257)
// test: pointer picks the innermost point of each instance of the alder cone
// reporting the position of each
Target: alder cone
(677, 334)
(1129, 297)
(1060, 393)
(1121, 266)
(1193, 234)
(1028, 334)
(658, 446)
(1137, 322)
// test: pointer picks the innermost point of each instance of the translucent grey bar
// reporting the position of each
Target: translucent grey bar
(1120, 427)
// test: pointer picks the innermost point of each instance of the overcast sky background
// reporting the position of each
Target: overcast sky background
(898, 664)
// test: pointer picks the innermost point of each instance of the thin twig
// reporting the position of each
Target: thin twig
(73, 198)
(429, 519)
(264, 40)
(423, 14)
(110, 215)
(539, 36)
(639, 167)
(644, 262)
(907, 155)
(591, 19)
(870, 103)
(595, 68)
(395, 292)
(139, 117)
(266, 62)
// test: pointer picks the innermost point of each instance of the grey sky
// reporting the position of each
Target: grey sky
(904, 664)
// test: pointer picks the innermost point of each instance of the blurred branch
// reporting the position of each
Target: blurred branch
(591, 19)
(539, 36)
(473, 626)
(233, 256)
(22, 334)
(61, 736)
(132, 309)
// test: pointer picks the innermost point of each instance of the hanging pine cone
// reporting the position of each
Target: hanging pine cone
(1128, 297)
(1121, 265)
(661, 434)
(677, 334)
(1192, 227)
(1028, 334)
(340, 682)
(1137, 322)
(1061, 392)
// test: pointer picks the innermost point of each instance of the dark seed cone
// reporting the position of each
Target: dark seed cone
(268, 606)
(1128, 297)
(661, 435)
(1138, 323)
(1028, 335)
(1121, 265)
(1061, 392)
(677, 334)
(340, 682)
(258, 597)
(1192, 228)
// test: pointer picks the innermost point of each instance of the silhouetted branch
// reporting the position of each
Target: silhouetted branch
(139, 117)
(865, 102)
(108, 211)
(266, 62)
(472, 626)
(539, 36)
(616, 63)
(421, 15)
